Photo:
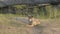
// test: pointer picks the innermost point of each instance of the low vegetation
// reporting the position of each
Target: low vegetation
(11, 24)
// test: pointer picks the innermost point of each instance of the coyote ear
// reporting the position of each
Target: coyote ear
(31, 16)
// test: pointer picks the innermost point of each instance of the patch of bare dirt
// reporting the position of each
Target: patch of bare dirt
(51, 26)
(46, 27)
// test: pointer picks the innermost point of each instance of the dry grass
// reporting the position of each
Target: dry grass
(9, 24)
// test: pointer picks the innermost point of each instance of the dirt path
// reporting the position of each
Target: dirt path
(46, 27)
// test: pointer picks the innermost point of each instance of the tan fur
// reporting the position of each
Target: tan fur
(33, 21)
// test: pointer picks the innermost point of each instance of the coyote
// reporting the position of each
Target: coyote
(33, 21)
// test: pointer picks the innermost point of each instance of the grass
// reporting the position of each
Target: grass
(10, 25)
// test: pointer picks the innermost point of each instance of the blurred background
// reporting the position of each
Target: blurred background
(51, 11)
(13, 16)
(37, 8)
